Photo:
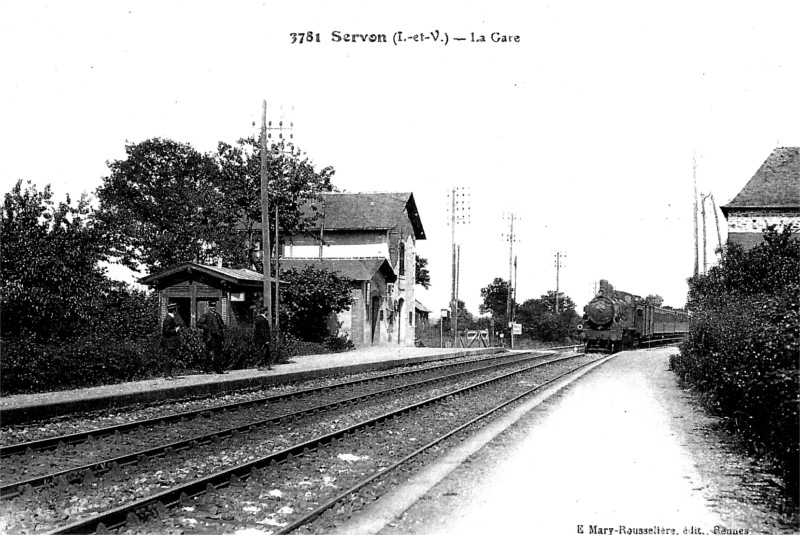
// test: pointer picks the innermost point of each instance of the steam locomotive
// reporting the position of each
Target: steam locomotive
(615, 320)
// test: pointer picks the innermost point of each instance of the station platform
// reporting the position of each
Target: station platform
(20, 409)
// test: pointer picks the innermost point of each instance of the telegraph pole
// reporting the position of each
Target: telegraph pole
(458, 277)
(694, 181)
(277, 276)
(454, 297)
(265, 247)
(514, 305)
(559, 255)
(459, 214)
(510, 266)
(509, 297)
(705, 247)
(716, 219)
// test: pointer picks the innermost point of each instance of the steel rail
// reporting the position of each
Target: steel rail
(573, 346)
(382, 473)
(12, 490)
(73, 438)
(149, 506)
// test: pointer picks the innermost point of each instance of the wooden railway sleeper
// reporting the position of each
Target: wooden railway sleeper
(162, 421)
(169, 450)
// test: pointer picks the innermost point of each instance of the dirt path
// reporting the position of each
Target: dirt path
(623, 449)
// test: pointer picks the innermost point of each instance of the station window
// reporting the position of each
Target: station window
(402, 254)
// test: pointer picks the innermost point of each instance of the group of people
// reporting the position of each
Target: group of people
(213, 327)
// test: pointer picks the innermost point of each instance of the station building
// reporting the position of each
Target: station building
(370, 238)
(771, 197)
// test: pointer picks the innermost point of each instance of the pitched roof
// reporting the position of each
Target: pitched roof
(242, 277)
(359, 269)
(776, 184)
(357, 211)
(419, 306)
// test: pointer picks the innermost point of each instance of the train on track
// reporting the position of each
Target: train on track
(615, 320)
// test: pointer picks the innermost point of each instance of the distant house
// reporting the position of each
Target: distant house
(193, 286)
(771, 197)
(371, 238)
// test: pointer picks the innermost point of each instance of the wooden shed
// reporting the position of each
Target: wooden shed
(193, 286)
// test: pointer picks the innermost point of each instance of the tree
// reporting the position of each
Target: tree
(466, 320)
(495, 301)
(167, 203)
(161, 205)
(565, 303)
(422, 276)
(465, 317)
(538, 317)
(51, 278)
(309, 299)
(293, 182)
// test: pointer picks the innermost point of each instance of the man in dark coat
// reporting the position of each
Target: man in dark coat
(170, 341)
(261, 337)
(214, 335)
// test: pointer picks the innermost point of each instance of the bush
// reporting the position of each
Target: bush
(309, 299)
(29, 367)
(742, 348)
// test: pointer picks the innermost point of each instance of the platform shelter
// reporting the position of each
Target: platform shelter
(193, 286)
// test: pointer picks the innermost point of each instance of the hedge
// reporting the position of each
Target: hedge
(742, 349)
(31, 367)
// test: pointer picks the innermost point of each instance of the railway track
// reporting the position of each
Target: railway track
(198, 434)
(657, 342)
(314, 417)
(16, 447)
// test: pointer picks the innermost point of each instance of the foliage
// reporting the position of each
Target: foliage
(93, 360)
(495, 301)
(64, 323)
(29, 366)
(422, 275)
(540, 322)
(465, 317)
(53, 288)
(49, 270)
(309, 299)
(166, 203)
(466, 320)
(126, 313)
(292, 181)
(742, 348)
(565, 302)
(292, 346)
(161, 205)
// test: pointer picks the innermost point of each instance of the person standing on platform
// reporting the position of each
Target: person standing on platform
(262, 336)
(213, 335)
(170, 341)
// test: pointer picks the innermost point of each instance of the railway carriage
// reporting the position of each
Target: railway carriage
(615, 320)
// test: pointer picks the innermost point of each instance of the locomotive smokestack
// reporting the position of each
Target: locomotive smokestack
(606, 287)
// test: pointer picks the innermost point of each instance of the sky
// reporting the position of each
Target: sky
(584, 124)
